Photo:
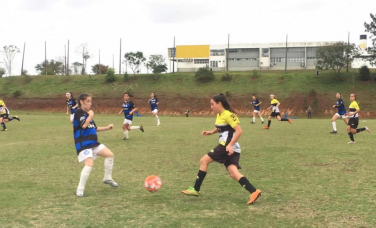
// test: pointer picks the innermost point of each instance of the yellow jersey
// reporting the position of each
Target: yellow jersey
(225, 123)
(2, 104)
(274, 103)
(353, 108)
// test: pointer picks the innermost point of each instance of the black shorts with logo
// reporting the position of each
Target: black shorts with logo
(5, 115)
(353, 123)
(275, 114)
(220, 155)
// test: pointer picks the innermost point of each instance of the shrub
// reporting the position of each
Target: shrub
(110, 75)
(17, 93)
(204, 74)
(126, 77)
(2, 72)
(364, 73)
(255, 74)
(26, 79)
(226, 77)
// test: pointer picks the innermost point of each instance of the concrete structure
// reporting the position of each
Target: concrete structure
(246, 57)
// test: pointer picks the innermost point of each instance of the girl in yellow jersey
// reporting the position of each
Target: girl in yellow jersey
(274, 105)
(4, 115)
(354, 119)
(228, 150)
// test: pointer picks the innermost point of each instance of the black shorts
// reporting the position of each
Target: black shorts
(220, 155)
(353, 123)
(275, 114)
(5, 116)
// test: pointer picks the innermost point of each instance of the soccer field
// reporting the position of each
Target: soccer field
(309, 178)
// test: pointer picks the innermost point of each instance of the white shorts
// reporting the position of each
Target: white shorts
(72, 116)
(342, 116)
(256, 111)
(155, 111)
(126, 121)
(90, 153)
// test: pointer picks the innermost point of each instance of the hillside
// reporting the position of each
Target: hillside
(177, 92)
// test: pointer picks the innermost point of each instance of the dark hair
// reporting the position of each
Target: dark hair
(82, 97)
(128, 94)
(71, 95)
(155, 96)
(340, 95)
(222, 98)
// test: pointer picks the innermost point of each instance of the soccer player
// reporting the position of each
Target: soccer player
(153, 101)
(187, 113)
(354, 119)
(340, 105)
(87, 145)
(274, 105)
(128, 108)
(71, 105)
(228, 150)
(256, 104)
(4, 115)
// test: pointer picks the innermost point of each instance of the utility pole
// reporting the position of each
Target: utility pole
(68, 60)
(286, 56)
(120, 58)
(99, 62)
(228, 50)
(23, 57)
(65, 60)
(347, 52)
(173, 58)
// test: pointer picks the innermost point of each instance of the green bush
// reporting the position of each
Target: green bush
(255, 74)
(364, 73)
(126, 77)
(2, 72)
(110, 75)
(17, 93)
(204, 74)
(226, 77)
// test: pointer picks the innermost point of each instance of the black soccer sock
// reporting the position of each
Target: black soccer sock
(10, 118)
(360, 129)
(269, 122)
(351, 136)
(3, 125)
(244, 182)
(284, 119)
(200, 178)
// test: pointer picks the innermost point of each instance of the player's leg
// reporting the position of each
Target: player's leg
(87, 155)
(335, 116)
(108, 164)
(262, 120)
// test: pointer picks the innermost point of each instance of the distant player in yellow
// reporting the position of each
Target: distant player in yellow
(228, 150)
(274, 105)
(4, 115)
(354, 119)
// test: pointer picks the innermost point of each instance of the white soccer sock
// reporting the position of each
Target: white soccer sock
(156, 118)
(261, 119)
(126, 134)
(135, 127)
(254, 119)
(108, 165)
(334, 126)
(84, 176)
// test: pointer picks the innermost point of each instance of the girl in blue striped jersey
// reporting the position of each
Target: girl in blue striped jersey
(153, 101)
(87, 145)
(341, 113)
(128, 108)
(71, 105)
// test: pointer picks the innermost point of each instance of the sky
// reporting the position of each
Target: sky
(150, 26)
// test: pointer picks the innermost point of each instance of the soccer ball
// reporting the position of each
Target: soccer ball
(153, 183)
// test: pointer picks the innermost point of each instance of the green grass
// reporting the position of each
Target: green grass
(185, 85)
(309, 177)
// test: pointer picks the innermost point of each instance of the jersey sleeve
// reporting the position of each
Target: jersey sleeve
(2, 103)
(356, 106)
(80, 117)
(132, 105)
(232, 120)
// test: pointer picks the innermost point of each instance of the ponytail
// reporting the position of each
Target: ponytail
(222, 98)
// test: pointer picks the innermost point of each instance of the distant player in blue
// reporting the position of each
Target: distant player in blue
(340, 105)
(71, 105)
(153, 101)
(87, 146)
(128, 108)
(256, 104)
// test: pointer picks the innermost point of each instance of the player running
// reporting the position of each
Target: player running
(128, 108)
(274, 105)
(341, 113)
(354, 119)
(71, 105)
(153, 101)
(256, 105)
(4, 115)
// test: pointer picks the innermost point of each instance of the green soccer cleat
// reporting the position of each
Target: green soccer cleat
(191, 191)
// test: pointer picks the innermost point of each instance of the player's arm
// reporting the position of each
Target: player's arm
(205, 133)
(133, 110)
(120, 111)
(2, 109)
(67, 110)
(109, 127)
(238, 132)
(259, 103)
(88, 119)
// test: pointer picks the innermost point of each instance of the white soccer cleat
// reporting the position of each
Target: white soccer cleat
(80, 192)
(111, 182)
(367, 129)
(351, 142)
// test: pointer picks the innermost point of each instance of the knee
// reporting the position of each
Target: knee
(203, 161)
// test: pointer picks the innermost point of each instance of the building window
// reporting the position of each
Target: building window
(201, 61)
(217, 52)
(213, 63)
(242, 59)
(265, 52)
(172, 52)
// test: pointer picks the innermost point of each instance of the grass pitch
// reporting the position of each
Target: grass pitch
(309, 177)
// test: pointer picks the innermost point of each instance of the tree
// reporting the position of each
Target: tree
(2, 72)
(371, 28)
(364, 73)
(83, 51)
(99, 70)
(77, 67)
(157, 64)
(53, 67)
(9, 52)
(335, 56)
(134, 60)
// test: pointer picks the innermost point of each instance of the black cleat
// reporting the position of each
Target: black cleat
(252, 122)
(4, 129)
(262, 122)
(141, 128)
(16, 117)
(333, 132)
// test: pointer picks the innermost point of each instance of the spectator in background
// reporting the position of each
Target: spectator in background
(309, 112)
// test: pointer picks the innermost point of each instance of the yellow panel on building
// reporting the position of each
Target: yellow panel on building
(193, 51)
